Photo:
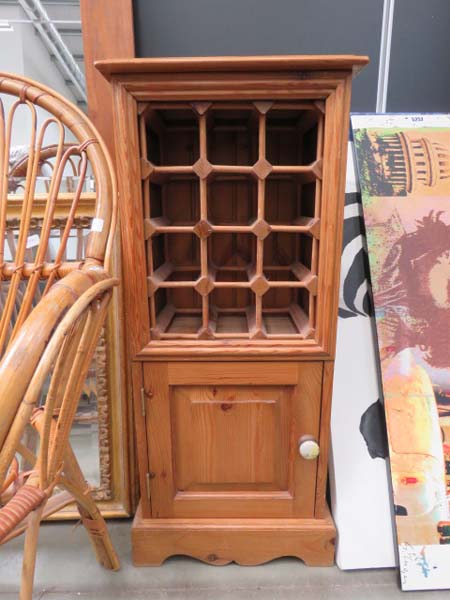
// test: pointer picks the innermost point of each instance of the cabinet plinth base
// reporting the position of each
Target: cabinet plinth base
(243, 541)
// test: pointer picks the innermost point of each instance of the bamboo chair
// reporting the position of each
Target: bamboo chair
(53, 308)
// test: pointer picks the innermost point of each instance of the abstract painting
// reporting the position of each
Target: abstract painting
(404, 171)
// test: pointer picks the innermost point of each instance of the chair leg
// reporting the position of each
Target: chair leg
(29, 554)
(91, 517)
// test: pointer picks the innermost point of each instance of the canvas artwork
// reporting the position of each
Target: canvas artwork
(360, 495)
(404, 171)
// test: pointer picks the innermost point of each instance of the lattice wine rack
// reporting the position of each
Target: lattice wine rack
(232, 216)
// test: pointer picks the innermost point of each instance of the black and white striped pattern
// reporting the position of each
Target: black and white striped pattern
(354, 293)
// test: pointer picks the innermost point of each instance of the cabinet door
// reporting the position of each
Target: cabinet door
(223, 438)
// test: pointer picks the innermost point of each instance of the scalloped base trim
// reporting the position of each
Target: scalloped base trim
(243, 541)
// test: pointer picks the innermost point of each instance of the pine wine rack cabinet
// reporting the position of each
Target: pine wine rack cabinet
(231, 178)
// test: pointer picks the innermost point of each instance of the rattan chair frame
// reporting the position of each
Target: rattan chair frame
(50, 345)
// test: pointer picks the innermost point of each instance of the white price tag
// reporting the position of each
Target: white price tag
(97, 225)
(399, 120)
(32, 241)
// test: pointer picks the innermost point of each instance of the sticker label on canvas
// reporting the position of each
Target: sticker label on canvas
(400, 121)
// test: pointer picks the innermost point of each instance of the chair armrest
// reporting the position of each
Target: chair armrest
(21, 358)
(46, 356)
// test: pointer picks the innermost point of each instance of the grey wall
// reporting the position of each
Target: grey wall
(24, 53)
(232, 27)
(419, 76)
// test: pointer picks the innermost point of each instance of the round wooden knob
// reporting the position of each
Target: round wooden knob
(308, 447)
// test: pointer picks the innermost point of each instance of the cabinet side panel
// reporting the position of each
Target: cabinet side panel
(324, 440)
(131, 218)
(334, 165)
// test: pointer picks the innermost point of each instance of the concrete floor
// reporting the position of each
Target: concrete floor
(67, 570)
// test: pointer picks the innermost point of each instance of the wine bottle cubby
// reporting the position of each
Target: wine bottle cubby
(232, 199)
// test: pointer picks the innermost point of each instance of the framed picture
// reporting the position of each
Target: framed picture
(404, 172)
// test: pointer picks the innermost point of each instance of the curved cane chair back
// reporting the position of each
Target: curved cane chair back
(62, 142)
(41, 132)
(54, 293)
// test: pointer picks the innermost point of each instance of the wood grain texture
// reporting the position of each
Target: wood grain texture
(324, 440)
(228, 447)
(337, 109)
(231, 350)
(159, 440)
(246, 373)
(249, 425)
(140, 400)
(233, 63)
(131, 218)
(243, 541)
(107, 29)
(306, 419)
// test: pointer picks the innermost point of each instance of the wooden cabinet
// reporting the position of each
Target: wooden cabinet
(231, 175)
